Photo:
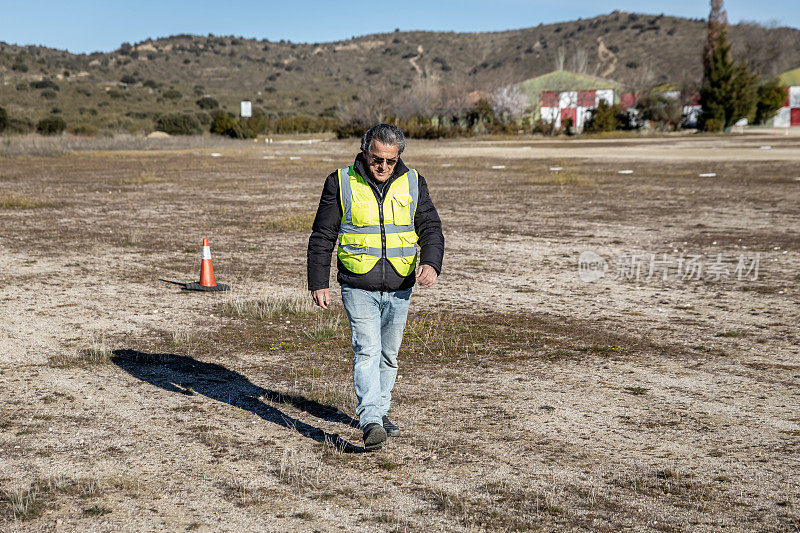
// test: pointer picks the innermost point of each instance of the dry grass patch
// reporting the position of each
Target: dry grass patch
(298, 472)
(143, 179)
(95, 354)
(17, 202)
(29, 502)
(290, 222)
(268, 306)
(561, 178)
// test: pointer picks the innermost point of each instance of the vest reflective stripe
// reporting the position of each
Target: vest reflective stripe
(365, 230)
(390, 252)
(360, 240)
(345, 194)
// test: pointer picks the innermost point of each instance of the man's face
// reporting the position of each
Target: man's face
(381, 160)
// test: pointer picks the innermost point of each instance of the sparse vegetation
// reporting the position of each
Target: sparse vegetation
(95, 354)
(290, 221)
(268, 306)
(14, 201)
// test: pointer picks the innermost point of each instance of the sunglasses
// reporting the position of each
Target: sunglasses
(380, 160)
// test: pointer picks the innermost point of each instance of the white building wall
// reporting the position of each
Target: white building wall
(605, 95)
(551, 114)
(568, 99)
(794, 96)
(783, 118)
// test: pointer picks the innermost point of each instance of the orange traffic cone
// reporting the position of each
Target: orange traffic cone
(206, 268)
(207, 281)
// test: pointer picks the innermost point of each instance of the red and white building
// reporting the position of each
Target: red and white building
(575, 105)
(789, 114)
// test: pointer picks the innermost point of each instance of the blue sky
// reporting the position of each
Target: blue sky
(86, 26)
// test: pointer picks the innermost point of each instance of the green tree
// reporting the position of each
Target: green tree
(604, 118)
(3, 119)
(728, 92)
(771, 97)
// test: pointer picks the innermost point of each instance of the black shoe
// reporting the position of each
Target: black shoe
(374, 435)
(391, 429)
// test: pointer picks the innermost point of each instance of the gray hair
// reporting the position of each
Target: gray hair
(385, 133)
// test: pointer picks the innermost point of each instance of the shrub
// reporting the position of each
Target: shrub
(128, 79)
(19, 125)
(44, 84)
(20, 67)
(172, 94)
(179, 124)
(604, 118)
(713, 125)
(226, 124)
(771, 96)
(204, 118)
(150, 84)
(662, 111)
(3, 119)
(207, 102)
(51, 126)
(83, 129)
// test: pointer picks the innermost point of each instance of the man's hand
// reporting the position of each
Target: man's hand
(321, 297)
(426, 275)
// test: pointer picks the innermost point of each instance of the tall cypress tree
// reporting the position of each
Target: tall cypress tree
(729, 90)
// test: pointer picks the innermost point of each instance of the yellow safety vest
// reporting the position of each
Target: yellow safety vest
(370, 231)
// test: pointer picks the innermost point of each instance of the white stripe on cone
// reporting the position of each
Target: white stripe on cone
(206, 252)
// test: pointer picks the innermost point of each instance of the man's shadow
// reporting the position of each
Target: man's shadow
(184, 375)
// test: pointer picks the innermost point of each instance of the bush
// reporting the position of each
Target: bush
(604, 118)
(51, 126)
(226, 124)
(179, 124)
(150, 84)
(771, 97)
(172, 94)
(128, 80)
(3, 119)
(207, 102)
(543, 127)
(19, 125)
(657, 108)
(44, 84)
(48, 94)
(83, 129)
(713, 125)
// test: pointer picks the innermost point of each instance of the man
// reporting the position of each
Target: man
(378, 210)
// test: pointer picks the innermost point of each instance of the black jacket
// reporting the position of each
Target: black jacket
(383, 276)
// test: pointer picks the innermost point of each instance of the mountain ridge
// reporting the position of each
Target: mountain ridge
(285, 78)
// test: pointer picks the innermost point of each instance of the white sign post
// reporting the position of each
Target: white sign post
(247, 109)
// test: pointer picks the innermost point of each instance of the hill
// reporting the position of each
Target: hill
(126, 88)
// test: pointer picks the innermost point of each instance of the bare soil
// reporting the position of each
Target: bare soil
(528, 398)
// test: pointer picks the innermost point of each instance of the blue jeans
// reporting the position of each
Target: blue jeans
(377, 321)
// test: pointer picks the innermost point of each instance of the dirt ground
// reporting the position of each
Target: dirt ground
(646, 399)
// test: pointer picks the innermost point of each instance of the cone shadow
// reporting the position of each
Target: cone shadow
(184, 375)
